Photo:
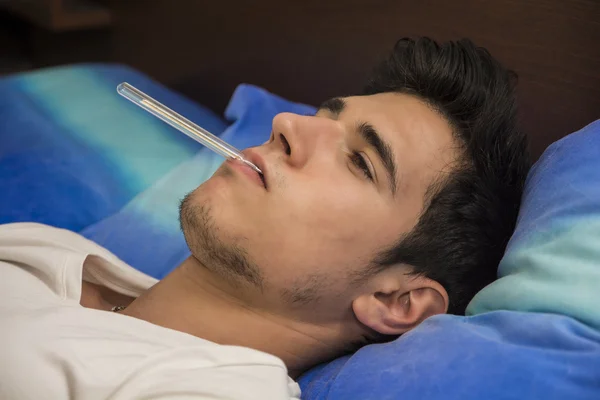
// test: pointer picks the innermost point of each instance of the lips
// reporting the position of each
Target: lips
(257, 160)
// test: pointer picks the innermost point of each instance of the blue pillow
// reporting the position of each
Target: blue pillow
(493, 356)
(73, 152)
(552, 263)
(551, 267)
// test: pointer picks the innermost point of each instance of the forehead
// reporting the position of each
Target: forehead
(402, 117)
(414, 130)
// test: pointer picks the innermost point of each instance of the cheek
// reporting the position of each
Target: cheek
(333, 228)
(341, 213)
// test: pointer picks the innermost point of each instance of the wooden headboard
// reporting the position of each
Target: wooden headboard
(310, 50)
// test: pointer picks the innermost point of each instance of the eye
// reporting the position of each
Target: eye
(359, 160)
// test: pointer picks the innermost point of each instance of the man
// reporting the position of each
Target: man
(376, 213)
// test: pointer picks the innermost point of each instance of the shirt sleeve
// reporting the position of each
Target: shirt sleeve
(198, 374)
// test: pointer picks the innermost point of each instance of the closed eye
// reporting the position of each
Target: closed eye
(359, 161)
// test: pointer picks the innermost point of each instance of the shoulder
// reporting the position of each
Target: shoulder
(35, 259)
(42, 264)
(221, 371)
(40, 235)
(116, 356)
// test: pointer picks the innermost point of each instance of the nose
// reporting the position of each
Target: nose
(304, 137)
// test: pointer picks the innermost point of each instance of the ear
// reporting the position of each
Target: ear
(398, 303)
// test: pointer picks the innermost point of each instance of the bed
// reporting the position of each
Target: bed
(75, 155)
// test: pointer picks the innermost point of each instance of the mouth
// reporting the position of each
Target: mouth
(257, 160)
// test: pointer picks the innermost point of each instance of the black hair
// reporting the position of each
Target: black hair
(470, 213)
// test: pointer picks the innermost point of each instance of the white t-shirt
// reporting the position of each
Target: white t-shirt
(53, 348)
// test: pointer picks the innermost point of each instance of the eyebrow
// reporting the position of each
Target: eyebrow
(370, 135)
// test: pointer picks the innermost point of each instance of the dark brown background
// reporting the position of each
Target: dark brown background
(311, 50)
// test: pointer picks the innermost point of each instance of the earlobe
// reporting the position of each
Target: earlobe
(396, 312)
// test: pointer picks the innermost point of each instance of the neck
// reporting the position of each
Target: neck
(193, 300)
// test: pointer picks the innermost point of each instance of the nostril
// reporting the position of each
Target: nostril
(286, 145)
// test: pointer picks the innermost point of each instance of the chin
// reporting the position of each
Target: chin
(229, 209)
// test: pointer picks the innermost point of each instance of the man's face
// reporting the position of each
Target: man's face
(341, 187)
